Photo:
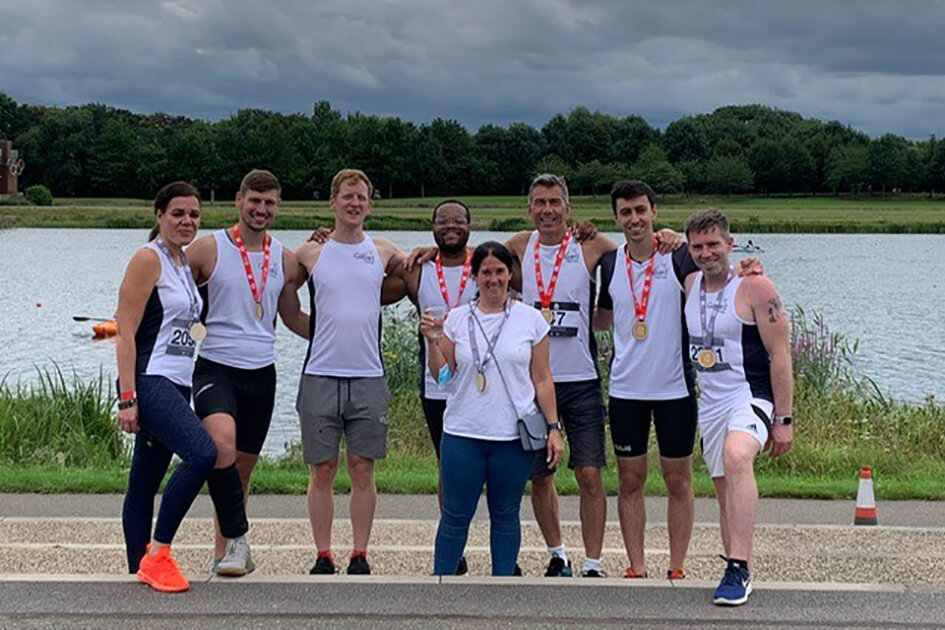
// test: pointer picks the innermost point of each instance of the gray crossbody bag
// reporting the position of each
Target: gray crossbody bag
(532, 427)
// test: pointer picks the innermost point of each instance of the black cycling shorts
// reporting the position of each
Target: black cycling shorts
(247, 395)
(675, 422)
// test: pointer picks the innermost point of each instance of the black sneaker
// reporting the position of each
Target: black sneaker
(592, 573)
(463, 568)
(558, 568)
(359, 566)
(323, 566)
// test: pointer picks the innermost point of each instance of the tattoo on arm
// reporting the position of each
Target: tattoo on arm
(774, 309)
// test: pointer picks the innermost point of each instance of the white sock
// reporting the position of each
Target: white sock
(592, 564)
(558, 551)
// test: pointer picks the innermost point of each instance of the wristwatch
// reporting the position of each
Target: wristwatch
(555, 425)
(785, 420)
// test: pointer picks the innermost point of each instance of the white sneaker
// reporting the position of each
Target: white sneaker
(212, 567)
(237, 561)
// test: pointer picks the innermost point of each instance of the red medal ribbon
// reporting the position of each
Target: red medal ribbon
(545, 297)
(463, 279)
(248, 267)
(639, 306)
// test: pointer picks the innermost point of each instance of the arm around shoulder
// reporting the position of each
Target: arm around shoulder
(290, 309)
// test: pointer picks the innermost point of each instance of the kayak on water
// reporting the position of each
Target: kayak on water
(103, 330)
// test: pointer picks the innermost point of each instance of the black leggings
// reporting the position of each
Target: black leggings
(168, 426)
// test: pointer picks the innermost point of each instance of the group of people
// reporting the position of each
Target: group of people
(487, 361)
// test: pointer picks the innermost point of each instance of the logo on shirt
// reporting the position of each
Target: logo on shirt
(572, 256)
(753, 427)
(366, 257)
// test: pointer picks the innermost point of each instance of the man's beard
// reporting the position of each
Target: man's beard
(450, 249)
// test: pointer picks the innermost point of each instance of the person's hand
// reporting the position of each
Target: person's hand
(419, 255)
(668, 241)
(128, 419)
(780, 439)
(555, 448)
(584, 230)
(430, 328)
(320, 235)
(750, 266)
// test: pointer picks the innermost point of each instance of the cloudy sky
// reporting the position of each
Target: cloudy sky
(879, 66)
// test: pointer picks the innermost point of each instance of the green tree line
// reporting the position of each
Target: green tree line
(99, 151)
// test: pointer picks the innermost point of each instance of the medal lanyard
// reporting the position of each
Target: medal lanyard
(248, 267)
(640, 306)
(545, 297)
(441, 279)
(185, 274)
(708, 330)
(474, 344)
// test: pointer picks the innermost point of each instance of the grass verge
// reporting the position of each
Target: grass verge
(892, 214)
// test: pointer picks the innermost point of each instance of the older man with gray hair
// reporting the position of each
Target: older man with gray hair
(556, 274)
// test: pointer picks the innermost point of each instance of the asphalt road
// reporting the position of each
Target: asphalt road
(453, 604)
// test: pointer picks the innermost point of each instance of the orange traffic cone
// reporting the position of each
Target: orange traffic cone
(865, 502)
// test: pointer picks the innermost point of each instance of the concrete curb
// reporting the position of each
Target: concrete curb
(468, 581)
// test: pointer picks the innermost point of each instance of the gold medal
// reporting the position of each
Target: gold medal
(259, 310)
(707, 358)
(198, 331)
(640, 331)
(480, 381)
(548, 314)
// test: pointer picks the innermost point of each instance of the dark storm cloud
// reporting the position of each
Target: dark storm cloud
(876, 65)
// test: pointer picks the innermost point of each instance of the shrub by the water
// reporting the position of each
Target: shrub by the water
(39, 195)
(53, 421)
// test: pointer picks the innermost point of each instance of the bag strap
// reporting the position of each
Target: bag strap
(491, 350)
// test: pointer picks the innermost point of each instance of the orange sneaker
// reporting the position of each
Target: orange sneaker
(675, 574)
(634, 576)
(161, 572)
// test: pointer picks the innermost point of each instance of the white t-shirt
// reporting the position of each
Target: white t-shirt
(489, 415)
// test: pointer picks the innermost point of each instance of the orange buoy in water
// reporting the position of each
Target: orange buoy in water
(103, 330)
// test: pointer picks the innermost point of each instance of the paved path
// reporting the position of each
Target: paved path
(395, 506)
(813, 570)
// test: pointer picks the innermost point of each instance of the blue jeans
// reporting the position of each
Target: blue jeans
(465, 465)
(167, 426)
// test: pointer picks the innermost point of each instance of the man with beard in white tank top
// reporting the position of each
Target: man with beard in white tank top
(739, 344)
(556, 275)
(245, 277)
(343, 390)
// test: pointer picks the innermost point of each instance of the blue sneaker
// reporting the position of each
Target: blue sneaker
(734, 588)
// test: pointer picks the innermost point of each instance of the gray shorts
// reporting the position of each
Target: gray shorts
(356, 407)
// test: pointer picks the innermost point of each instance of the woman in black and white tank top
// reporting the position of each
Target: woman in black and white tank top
(158, 329)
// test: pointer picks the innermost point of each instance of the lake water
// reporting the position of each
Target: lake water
(886, 290)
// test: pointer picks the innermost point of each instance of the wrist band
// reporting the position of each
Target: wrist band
(128, 395)
(127, 404)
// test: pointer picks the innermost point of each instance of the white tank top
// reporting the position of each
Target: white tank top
(234, 336)
(428, 295)
(345, 290)
(163, 344)
(742, 373)
(656, 367)
(573, 348)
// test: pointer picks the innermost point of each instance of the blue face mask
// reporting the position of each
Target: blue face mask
(445, 376)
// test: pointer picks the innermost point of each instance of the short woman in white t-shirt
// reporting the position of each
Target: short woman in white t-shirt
(480, 426)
